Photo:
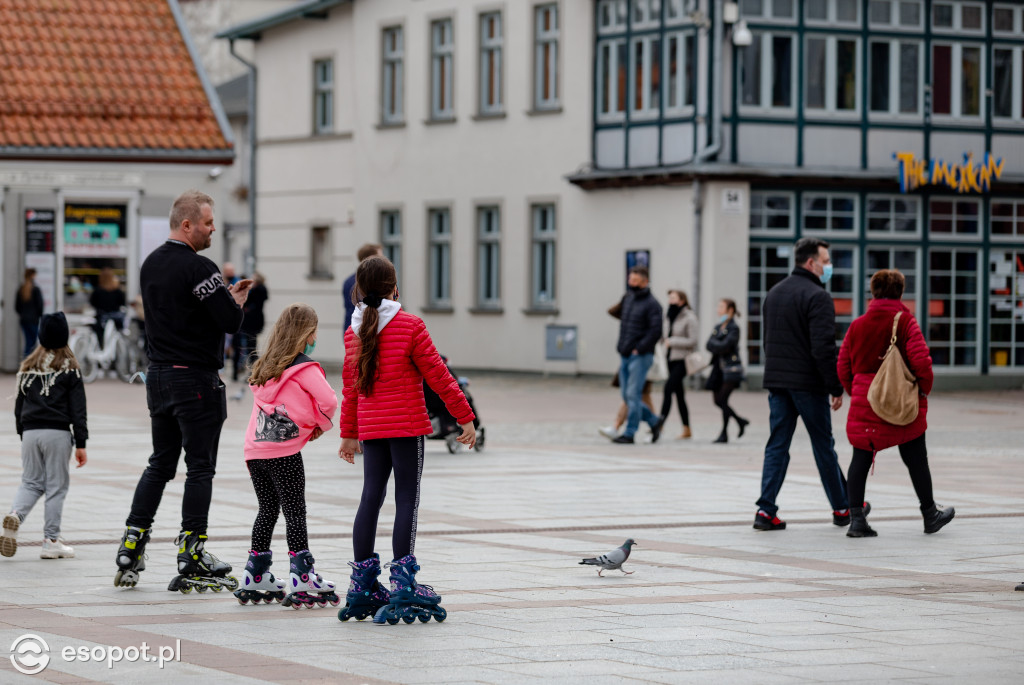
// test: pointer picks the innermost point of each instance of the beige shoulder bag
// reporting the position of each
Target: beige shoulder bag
(893, 393)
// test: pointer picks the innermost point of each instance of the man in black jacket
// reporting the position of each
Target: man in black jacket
(639, 332)
(189, 309)
(800, 373)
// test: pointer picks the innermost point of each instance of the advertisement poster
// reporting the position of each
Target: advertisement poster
(39, 252)
(95, 230)
(637, 258)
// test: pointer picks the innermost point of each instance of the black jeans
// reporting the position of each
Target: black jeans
(915, 457)
(187, 408)
(405, 456)
(722, 393)
(674, 386)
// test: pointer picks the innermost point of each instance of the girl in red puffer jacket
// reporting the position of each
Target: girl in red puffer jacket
(388, 355)
(859, 360)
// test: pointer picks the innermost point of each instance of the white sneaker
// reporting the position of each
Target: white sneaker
(56, 549)
(9, 539)
(609, 432)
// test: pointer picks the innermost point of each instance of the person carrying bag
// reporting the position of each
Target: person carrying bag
(893, 393)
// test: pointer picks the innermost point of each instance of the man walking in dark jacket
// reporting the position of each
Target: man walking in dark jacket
(639, 332)
(800, 373)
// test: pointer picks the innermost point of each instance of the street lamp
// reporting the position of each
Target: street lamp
(741, 36)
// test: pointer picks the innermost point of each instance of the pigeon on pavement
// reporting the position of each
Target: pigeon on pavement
(613, 560)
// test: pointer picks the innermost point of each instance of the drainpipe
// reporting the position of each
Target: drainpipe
(711, 148)
(251, 262)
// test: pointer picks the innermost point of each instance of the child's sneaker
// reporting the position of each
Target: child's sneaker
(9, 539)
(56, 549)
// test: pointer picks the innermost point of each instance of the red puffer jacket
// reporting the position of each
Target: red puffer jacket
(396, 409)
(859, 360)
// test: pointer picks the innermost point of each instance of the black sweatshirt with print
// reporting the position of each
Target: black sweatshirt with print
(188, 308)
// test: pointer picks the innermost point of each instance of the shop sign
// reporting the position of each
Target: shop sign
(39, 254)
(94, 230)
(965, 177)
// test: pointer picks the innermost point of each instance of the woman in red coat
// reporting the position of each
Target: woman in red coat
(859, 360)
(388, 355)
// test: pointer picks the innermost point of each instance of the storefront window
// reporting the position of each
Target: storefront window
(903, 260)
(771, 213)
(1006, 308)
(897, 216)
(843, 287)
(830, 213)
(953, 311)
(954, 217)
(769, 264)
(1007, 219)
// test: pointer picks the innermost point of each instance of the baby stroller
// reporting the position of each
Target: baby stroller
(445, 426)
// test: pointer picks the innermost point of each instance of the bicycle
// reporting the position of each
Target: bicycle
(119, 352)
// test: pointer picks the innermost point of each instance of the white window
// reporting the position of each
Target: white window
(612, 16)
(544, 239)
(1006, 20)
(646, 13)
(782, 10)
(954, 217)
(1007, 83)
(440, 256)
(323, 96)
(898, 216)
(957, 79)
(896, 75)
(768, 265)
(545, 57)
(1007, 221)
(678, 66)
(392, 81)
(391, 237)
(832, 12)
(645, 87)
(830, 213)
(771, 213)
(442, 71)
(954, 293)
(833, 79)
(899, 14)
(612, 67)
(1006, 307)
(491, 41)
(962, 17)
(904, 259)
(767, 71)
(843, 287)
(320, 252)
(488, 257)
(675, 12)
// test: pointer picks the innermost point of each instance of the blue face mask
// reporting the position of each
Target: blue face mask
(826, 275)
(723, 318)
(309, 348)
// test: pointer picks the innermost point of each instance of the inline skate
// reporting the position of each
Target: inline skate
(131, 556)
(197, 568)
(409, 599)
(306, 587)
(258, 583)
(365, 595)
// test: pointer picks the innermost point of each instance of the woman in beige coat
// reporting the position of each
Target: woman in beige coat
(681, 341)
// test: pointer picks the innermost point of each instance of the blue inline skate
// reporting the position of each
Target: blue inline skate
(409, 599)
(306, 587)
(365, 595)
(198, 569)
(131, 556)
(258, 583)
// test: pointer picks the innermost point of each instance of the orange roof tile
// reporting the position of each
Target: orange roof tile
(102, 77)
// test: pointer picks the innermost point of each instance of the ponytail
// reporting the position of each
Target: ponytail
(368, 351)
(376, 278)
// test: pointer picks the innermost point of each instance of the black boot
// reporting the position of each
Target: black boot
(724, 437)
(859, 527)
(935, 517)
(743, 425)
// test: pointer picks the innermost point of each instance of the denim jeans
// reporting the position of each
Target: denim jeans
(632, 375)
(813, 407)
(31, 333)
(187, 408)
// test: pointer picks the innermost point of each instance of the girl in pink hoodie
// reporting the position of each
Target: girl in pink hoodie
(293, 404)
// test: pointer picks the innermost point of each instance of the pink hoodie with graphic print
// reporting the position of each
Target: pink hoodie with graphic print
(285, 411)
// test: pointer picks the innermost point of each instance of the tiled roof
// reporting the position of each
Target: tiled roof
(102, 79)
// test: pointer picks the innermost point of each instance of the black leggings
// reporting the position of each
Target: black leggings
(915, 456)
(674, 386)
(405, 456)
(280, 485)
(722, 393)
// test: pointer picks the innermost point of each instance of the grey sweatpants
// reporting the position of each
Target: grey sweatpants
(45, 458)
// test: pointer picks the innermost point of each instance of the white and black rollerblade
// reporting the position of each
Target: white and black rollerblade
(131, 556)
(258, 583)
(197, 568)
(306, 587)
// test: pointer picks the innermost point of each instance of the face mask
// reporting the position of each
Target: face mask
(309, 348)
(826, 274)
(635, 288)
(723, 318)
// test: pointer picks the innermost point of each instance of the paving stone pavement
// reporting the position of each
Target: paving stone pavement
(501, 532)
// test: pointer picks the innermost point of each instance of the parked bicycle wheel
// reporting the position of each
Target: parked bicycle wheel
(83, 345)
(126, 363)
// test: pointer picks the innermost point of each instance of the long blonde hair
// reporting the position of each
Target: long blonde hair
(286, 341)
(42, 360)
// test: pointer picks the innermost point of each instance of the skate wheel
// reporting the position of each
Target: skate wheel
(217, 588)
(441, 615)
(392, 621)
(335, 602)
(320, 603)
(243, 601)
(201, 589)
(343, 616)
(185, 589)
(409, 619)
(424, 618)
(117, 578)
